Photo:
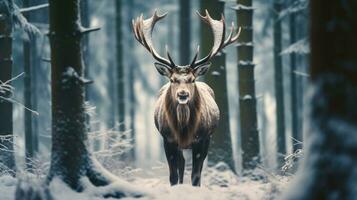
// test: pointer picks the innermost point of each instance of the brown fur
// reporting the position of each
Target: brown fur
(181, 123)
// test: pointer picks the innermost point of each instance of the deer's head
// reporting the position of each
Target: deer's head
(183, 78)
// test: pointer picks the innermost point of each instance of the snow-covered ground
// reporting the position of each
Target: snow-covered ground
(218, 183)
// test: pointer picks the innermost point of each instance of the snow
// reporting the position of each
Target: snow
(247, 97)
(218, 183)
(216, 73)
(242, 7)
(295, 7)
(249, 44)
(7, 187)
(245, 63)
(33, 8)
(300, 47)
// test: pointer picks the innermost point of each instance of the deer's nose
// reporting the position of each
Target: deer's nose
(183, 94)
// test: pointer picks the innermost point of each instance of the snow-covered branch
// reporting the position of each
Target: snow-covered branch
(297, 6)
(7, 91)
(33, 8)
(300, 47)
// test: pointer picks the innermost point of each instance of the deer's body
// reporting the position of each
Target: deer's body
(186, 124)
(186, 113)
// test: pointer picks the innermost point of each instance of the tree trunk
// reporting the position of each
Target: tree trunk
(120, 65)
(221, 143)
(7, 159)
(132, 78)
(31, 139)
(185, 32)
(296, 134)
(247, 99)
(85, 18)
(70, 159)
(279, 84)
(330, 163)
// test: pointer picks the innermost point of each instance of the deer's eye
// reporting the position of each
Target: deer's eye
(173, 81)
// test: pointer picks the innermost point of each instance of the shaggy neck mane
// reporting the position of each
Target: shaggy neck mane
(182, 119)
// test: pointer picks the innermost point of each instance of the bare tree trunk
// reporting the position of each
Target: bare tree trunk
(31, 138)
(296, 134)
(221, 143)
(7, 159)
(120, 65)
(132, 78)
(279, 83)
(247, 99)
(330, 163)
(185, 32)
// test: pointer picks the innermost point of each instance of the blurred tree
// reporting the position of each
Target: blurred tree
(279, 83)
(70, 159)
(7, 159)
(131, 80)
(330, 162)
(221, 143)
(247, 99)
(298, 48)
(185, 32)
(120, 65)
(302, 19)
(293, 79)
(30, 55)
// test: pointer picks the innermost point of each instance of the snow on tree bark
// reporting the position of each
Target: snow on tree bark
(221, 143)
(247, 106)
(70, 159)
(329, 170)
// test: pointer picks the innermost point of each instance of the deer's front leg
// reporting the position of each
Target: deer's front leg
(172, 153)
(199, 154)
(181, 166)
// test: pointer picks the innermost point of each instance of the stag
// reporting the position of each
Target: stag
(186, 113)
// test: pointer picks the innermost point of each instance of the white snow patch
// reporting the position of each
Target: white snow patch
(217, 183)
(247, 97)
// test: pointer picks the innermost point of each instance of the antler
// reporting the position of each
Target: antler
(219, 32)
(143, 33)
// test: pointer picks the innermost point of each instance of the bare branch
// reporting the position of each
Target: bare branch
(33, 8)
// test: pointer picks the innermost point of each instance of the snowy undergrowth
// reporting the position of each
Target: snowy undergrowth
(218, 182)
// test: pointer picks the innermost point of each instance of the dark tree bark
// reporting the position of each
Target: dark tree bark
(330, 163)
(7, 160)
(185, 32)
(246, 84)
(221, 142)
(120, 65)
(296, 134)
(70, 159)
(279, 84)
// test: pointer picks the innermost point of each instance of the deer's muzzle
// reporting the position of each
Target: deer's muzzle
(183, 97)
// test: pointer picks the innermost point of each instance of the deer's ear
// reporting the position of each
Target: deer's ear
(201, 70)
(163, 69)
